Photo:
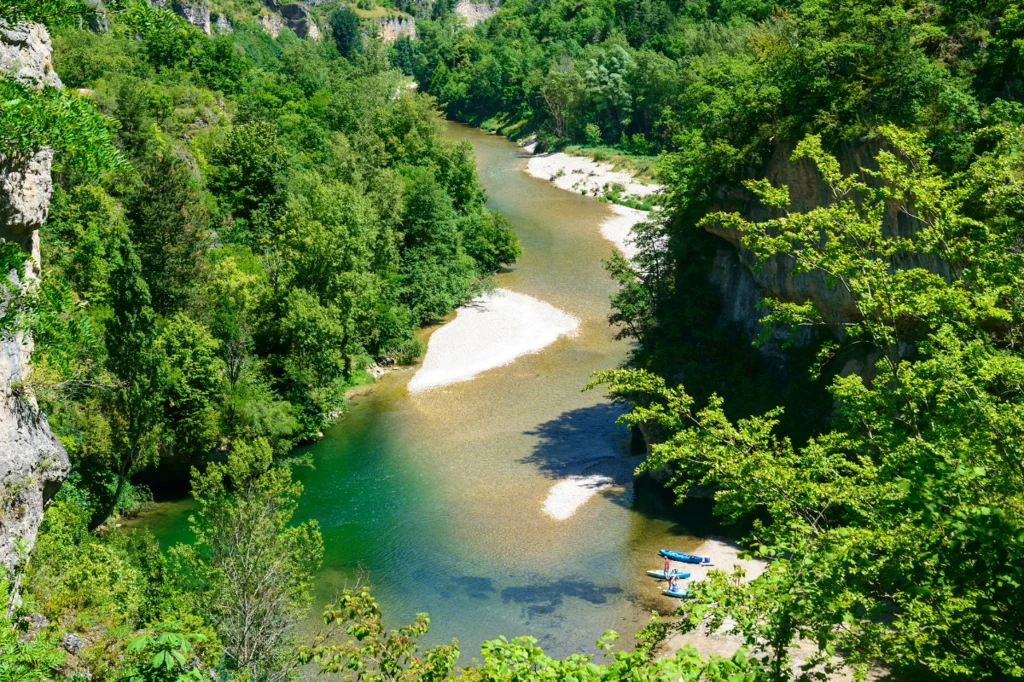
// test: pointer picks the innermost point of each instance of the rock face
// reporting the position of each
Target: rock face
(98, 21)
(475, 12)
(26, 54)
(293, 15)
(297, 18)
(743, 287)
(32, 461)
(223, 24)
(272, 24)
(392, 29)
(195, 12)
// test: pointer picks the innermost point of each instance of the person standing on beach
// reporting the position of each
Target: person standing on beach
(668, 565)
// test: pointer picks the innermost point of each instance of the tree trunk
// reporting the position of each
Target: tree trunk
(98, 521)
(347, 369)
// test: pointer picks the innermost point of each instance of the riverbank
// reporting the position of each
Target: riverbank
(590, 177)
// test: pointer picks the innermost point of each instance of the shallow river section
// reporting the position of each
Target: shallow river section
(436, 498)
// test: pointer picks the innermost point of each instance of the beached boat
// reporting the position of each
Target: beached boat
(684, 558)
(678, 594)
(660, 574)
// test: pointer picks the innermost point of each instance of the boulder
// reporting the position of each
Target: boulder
(72, 643)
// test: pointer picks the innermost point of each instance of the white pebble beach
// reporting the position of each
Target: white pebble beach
(569, 494)
(488, 332)
(585, 176)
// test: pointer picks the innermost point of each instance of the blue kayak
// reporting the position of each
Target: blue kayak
(685, 558)
(660, 574)
(678, 594)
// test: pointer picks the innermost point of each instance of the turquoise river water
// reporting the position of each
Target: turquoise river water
(436, 498)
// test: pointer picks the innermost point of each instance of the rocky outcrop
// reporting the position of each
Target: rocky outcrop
(475, 12)
(272, 24)
(223, 24)
(98, 19)
(293, 15)
(25, 53)
(195, 12)
(32, 461)
(297, 17)
(742, 290)
(395, 27)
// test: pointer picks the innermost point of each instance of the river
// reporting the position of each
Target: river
(436, 498)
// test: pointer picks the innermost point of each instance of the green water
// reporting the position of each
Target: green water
(436, 498)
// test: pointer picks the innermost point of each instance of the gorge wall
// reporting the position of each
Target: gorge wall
(32, 461)
(742, 284)
(475, 12)
(393, 28)
(274, 17)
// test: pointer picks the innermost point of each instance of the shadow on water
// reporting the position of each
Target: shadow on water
(694, 516)
(542, 599)
(577, 440)
(475, 587)
(587, 441)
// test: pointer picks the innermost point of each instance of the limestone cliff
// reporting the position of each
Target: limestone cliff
(297, 18)
(195, 12)
(475, 12)
(293, 15)
(32, 461)
(743, 287)
(391, 29)
(274, 17)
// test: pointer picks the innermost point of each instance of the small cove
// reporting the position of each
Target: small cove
(436, 498)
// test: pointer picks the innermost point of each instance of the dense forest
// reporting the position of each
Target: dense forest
(279, 218)
(242, 225)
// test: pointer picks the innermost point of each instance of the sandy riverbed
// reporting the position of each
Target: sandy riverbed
(489, 332)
